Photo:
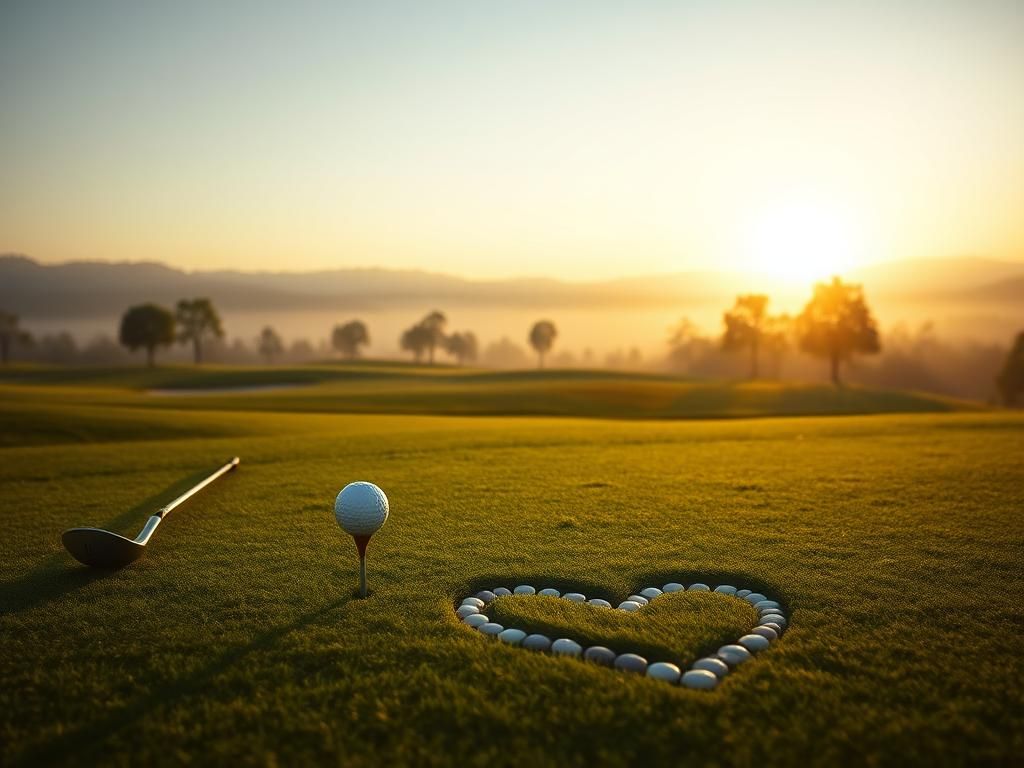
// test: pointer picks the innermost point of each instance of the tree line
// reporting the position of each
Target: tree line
(835, 325)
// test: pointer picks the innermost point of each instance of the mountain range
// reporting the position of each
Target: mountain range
(94, 289)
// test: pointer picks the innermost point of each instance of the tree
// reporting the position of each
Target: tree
(1011, 378)
(748, 325)
(147, 326)
(836, 324)
(348, 338)
(434, 324)
(11, 334)
(416, 340)
(542, 337)
(462, 346)
(198, 320)
(270, 344)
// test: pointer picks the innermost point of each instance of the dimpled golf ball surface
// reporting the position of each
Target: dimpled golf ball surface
(361, 509)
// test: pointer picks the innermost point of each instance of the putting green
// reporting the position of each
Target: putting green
(894, 542)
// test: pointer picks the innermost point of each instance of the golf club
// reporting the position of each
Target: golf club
(102, 549)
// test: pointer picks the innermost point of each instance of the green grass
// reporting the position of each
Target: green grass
(895, 541)
(380, 387)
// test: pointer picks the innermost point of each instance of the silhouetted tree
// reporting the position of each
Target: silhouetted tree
(270, 344)
(147, 326)
(348, 338)
(11, 334)
(836, 324)
(1011, 378)
(749, 326)
(198, 320)
(462, 346)
(417, 340)
(434, 324)
(542, 337)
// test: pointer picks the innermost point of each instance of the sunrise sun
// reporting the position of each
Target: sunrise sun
(799, 242)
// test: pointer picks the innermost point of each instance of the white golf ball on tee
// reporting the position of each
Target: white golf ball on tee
(361, 509)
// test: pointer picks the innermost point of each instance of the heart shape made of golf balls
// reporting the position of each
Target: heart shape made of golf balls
(704, 673)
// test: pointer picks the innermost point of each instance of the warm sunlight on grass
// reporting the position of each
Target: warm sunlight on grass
(802, 241)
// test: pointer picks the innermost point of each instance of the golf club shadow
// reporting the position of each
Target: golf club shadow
(53, 577)
(87, 740)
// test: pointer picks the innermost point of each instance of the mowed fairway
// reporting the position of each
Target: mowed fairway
(896, 543)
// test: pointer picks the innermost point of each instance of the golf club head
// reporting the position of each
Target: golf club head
(101, 549)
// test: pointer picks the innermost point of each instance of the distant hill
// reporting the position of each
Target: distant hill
(92, 289)
(967, 278)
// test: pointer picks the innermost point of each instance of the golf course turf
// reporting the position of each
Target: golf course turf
(895, 542)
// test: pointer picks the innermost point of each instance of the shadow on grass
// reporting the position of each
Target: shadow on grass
(59, 574)
(86, 741)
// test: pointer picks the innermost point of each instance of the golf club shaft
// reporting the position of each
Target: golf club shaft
(198, 487)
(362, 576)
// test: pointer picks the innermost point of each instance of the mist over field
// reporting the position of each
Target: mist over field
(963, 299)
(945, 323)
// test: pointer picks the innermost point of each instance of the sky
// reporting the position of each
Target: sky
(581, 140)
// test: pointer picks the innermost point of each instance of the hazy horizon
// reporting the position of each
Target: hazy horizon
(583, 141)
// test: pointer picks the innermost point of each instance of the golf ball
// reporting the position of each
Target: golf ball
(716, 667)
(699, 678)
(631, 662)
(512, 636)
(598, 654)
(361, 509)
(662, 670)
(536, 642)
(563, 646)
(753, 642)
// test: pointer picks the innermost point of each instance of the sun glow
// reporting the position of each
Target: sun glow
(801, 242)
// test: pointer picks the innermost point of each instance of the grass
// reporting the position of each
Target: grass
(380, 387)
(895, 541)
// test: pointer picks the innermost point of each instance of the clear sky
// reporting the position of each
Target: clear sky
(573, 139)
